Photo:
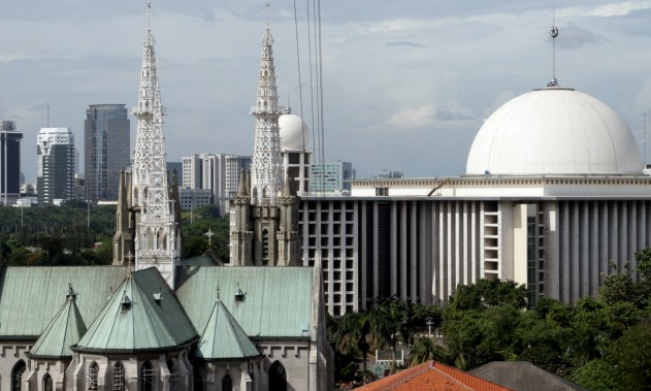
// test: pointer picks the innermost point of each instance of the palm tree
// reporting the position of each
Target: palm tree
(356, 327)
(388, 321)
(422, 351)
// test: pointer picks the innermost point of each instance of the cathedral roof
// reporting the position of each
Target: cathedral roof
(554, 131)
(142, 315)
(223, 337)
(65, 330)
(276, 301)
(30, 296)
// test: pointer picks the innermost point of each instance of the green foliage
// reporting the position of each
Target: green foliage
(597, 375)
(631, 356)
(489, 293)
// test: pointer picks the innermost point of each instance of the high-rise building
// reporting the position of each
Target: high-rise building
(55, 165)
(9, 162)
(219, 173)
(106, 149)
(333, 177)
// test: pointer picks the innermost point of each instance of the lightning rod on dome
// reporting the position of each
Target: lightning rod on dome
(553, 32)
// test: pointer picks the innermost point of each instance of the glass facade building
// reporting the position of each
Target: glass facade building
(107, 149)
(9, 162)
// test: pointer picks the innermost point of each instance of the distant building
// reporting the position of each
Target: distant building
(390, 174)
(106, 149)
(55, 165)
(333, 177)
(219, 173)
(9, 162)
(194, 198)
(171, 168)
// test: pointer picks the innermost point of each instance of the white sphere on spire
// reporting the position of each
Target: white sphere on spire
(294, 133)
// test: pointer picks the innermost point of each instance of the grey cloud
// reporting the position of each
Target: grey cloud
(573, 37)
(404, 44)
(445, 116)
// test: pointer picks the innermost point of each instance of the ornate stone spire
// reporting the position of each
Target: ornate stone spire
(266, 172)
(157, 233)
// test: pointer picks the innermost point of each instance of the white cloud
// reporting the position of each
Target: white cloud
(413, 117)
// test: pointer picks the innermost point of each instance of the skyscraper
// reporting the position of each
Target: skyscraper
(106, 149)
(55, 167)
(9, 162)
(219, 173)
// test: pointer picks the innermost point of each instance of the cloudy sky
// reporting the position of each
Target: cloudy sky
(407, 84)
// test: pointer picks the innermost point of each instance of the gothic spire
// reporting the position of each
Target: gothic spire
(157, 243)
(266, 175)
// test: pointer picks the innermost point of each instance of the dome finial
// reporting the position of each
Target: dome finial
(553, 32)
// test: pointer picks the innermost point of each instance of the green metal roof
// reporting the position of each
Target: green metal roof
(277, 300)
(143, 314)
(30, 296)
(65, 330)
(223, 337)
(202, 260)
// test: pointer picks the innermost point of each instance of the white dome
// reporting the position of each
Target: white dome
(554, 131)
(294, 134)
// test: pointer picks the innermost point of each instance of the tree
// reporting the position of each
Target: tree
(388, 320)
(423, 350)
(597, 375)
(631, 356)
(355, 329)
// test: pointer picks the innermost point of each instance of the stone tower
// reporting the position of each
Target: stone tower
(151, 205)
(264, 214)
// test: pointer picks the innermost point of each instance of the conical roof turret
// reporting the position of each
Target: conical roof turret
(66, 329)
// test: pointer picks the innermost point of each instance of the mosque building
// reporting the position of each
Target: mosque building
(554, 197)
(165, 323)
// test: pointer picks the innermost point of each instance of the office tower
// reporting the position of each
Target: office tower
(333, 177)
(9, 162)
(219, 173)
(55, 165)
(106, 150)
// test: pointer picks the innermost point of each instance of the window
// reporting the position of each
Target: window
(17, 375)
(118, 377)
(227, 383)
(91, 382)
(277, 377)
(147, 377)
(47, 382)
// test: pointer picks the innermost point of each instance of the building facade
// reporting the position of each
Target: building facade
(107, 149)
(332, 177)
(55, 165)
(9, 162)
(557, 206)
(217, 173)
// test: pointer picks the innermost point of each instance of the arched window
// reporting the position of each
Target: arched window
(91, 380)
(47, 382)
(147, 377)
(227, 383)
(17, 375)
(277, 377)
(118, 377)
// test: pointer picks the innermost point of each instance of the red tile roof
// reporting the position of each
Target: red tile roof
(432, 375)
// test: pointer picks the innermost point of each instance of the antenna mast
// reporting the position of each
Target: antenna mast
(553, 33)
(47, 118)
